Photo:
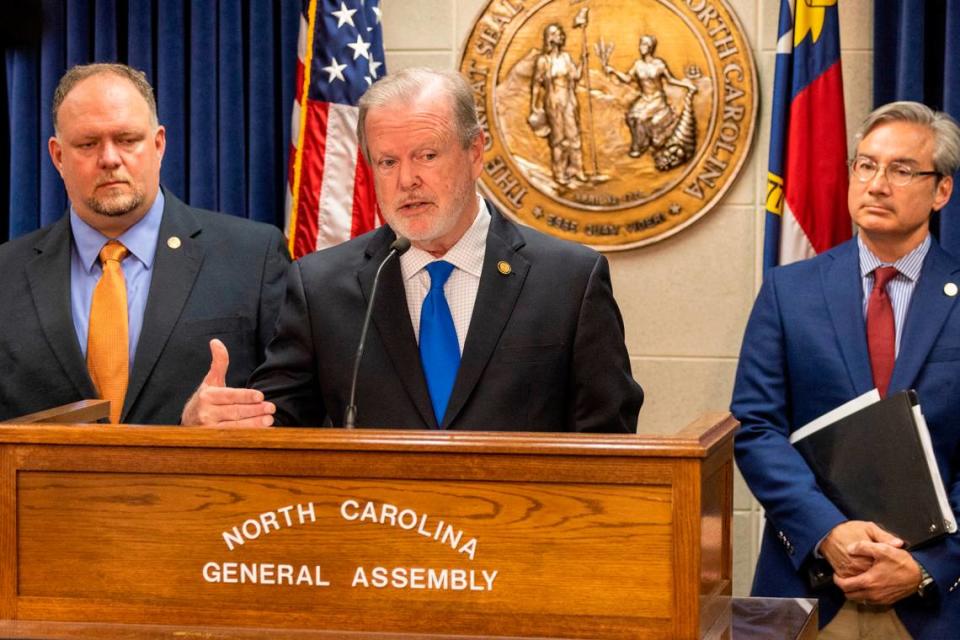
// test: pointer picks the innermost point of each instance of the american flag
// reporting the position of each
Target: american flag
(330, 195)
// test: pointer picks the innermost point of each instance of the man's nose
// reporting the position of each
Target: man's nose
(409, 175)
(879, 183)
(109, 155)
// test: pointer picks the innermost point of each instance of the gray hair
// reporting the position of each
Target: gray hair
(946, 132)
(406, 85)
(81, 72)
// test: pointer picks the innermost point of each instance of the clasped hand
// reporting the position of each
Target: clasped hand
(870, 564)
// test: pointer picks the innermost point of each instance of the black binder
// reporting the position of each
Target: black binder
(873, 465)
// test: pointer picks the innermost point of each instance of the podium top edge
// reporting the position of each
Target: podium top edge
(697, 440)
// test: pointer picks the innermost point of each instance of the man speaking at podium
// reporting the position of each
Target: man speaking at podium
(480, 325)
(878, 311)
(115, 299)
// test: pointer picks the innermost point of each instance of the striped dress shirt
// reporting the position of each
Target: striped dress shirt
(901, 286)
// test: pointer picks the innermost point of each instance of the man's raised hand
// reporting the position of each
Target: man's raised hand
(214, 404)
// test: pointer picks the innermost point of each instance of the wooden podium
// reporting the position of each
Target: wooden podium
(518, 534)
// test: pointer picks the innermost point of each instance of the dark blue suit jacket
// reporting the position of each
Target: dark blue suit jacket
(804, 353)
(225, 281)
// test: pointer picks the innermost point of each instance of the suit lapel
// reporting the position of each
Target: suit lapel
(174, 272)
(392, 319)
(843, 290)
(49, 276)
(496, 299)
(929, 308)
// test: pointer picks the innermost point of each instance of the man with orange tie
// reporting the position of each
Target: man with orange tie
(115, 299)
(878, 311)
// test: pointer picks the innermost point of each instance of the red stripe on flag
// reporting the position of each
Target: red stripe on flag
(364, 199)
(298, 84)
(815, 174)
(311, 177)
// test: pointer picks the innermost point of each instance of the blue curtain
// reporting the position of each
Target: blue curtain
(916, 48)
(223, 72)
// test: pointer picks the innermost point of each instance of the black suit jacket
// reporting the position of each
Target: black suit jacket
(224, 281)
(544, 351)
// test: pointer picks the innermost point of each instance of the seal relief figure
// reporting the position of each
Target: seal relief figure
(554, 111)
(614, 123)
(652, 121)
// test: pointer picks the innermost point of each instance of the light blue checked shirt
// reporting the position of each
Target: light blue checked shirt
(85, 270)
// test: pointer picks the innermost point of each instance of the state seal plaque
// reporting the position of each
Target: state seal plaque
(614, 123)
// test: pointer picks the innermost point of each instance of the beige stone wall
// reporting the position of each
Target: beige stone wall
(685, 300)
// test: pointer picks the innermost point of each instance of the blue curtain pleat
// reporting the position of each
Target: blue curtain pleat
(910, 58)
(949, 224)
(105, 37)
(231, 132)
(171, 96)
(52, 199)
(140, 37)
(23, 82)
(77, 36)
(223, 71)
(203, 105)
(261, 115)
(915, 47)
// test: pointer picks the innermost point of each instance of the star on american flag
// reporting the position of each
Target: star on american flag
(344, 15)
(360, 48)
(335, 70)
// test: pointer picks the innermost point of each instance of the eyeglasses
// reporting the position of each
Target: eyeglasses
(898, 174)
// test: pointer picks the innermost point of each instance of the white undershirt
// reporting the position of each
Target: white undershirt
(461, 288)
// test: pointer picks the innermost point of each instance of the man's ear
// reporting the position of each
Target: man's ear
(160, 142)
(476, 154)
(944, 190)
(56, 153)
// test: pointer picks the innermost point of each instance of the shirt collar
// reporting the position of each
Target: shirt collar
(140, 239)
(466, 255)
(909, 265)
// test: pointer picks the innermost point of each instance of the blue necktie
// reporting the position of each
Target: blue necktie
(439, 348)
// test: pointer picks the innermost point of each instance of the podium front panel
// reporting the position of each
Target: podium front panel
(415, 537)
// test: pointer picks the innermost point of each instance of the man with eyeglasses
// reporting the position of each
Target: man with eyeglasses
(878, 311)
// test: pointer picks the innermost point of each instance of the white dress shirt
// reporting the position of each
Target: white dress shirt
(461, 288)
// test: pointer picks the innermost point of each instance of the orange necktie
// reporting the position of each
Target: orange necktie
(107, 343)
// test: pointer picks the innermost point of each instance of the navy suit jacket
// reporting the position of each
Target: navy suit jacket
(225, 280)
(804, 353)
(544, 351)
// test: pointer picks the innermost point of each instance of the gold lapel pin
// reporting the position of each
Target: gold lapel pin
(950, 289)
(173, 242)
(504, 268)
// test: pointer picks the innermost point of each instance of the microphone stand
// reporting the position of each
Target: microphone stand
(397, 248)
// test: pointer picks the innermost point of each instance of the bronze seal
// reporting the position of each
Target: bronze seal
(614, 123)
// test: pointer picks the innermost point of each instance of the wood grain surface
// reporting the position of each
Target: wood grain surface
(490, 534)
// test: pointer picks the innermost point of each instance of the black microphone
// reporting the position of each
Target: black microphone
(397, 248)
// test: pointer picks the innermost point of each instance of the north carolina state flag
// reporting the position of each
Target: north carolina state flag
(807, 179)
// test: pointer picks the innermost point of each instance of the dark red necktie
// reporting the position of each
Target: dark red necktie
(881, 332)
